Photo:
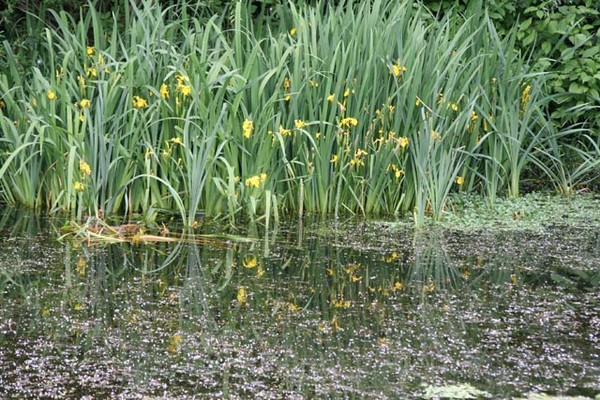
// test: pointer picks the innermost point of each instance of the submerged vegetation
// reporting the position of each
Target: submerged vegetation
(370, 108)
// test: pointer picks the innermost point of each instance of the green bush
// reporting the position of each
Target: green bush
(22, 23)
(566, 45)
(561, 38)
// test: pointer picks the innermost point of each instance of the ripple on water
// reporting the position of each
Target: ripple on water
(367, 312)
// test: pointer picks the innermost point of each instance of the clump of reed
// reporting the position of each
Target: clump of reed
(370, 108)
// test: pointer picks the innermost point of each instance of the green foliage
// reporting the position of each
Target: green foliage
(372, 109)
(534, 212)
(561, 38)
(566, 43)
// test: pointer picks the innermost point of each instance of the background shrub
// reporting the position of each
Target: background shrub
(561, 38)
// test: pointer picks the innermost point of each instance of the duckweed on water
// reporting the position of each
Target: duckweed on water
(332, 309)
(543, 396)
(454, 392)
(533, 212)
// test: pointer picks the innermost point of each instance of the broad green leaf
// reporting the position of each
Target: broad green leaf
(525, 24)
(529, 38)
(592, 51)
(578, 39)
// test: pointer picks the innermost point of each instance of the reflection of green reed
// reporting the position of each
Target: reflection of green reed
(18, 221)
(326, 313)
(432, 268)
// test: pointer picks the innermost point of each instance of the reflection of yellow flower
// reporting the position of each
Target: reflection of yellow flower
(428, 288)
(51, 95)
(174, 342)
(139, 102)
(341, 303)
(460, 180)
(78, 186)
(247, 128)
(335, 325)
(393, 256)
(242, 295)
(164, 91)
(81, 266)
(250, 262)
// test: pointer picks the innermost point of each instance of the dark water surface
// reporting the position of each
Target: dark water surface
(356, 309)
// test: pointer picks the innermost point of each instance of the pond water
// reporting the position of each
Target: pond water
(320, 309)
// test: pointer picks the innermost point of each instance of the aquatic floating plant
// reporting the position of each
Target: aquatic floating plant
(461, 391)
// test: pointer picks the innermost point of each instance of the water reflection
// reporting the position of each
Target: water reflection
(316, 310)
